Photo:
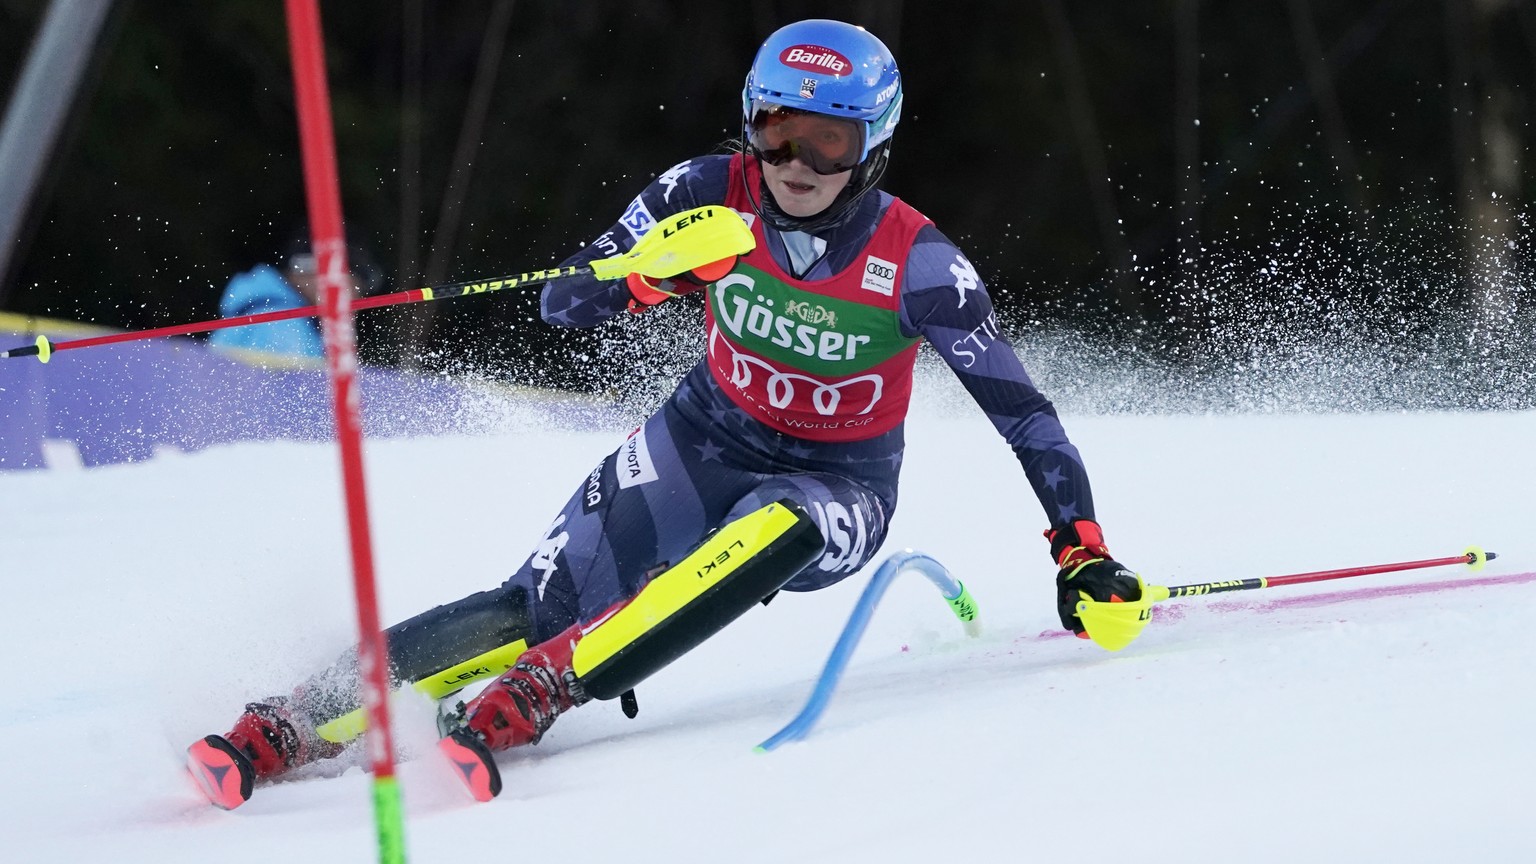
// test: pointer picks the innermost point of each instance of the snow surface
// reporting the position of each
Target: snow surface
(1330, 722)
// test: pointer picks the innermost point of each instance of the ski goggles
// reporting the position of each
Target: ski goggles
(826, 144)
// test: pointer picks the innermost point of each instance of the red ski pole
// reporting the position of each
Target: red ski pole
(43, 348)
(1473, 557)
(1114, 625)
(701, 237)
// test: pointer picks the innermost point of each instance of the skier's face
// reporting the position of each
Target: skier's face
(801, 192)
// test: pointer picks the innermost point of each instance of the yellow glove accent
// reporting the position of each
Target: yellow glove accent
(1077, 564)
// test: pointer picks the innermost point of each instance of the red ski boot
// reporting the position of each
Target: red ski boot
(515, 710)
(267, 740)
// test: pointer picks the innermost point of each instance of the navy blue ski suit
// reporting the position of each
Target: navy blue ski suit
(701, 460)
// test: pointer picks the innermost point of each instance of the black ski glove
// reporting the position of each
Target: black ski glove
(1086, 570)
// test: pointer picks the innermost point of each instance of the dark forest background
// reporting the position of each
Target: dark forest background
(1174, 175)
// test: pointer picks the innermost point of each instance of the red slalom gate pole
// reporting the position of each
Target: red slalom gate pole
(323, 193)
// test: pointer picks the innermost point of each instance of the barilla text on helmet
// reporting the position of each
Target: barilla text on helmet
(815, 58)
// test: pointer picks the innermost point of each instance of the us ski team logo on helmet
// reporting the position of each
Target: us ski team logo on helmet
(807, 88)
(814, 58)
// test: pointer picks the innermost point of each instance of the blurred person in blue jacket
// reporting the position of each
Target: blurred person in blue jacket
(265, 288)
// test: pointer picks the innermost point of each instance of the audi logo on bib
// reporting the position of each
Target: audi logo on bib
(879, 276)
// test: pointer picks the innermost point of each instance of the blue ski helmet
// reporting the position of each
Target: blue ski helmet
(831, 69)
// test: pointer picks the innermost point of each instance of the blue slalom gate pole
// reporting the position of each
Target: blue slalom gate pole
(954, 592)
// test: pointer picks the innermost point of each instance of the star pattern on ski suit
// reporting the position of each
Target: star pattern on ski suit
(671, 178)
(799, 450)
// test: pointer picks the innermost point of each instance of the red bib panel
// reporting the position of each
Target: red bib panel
(825, 359)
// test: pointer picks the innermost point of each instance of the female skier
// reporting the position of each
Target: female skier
(773, 466)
